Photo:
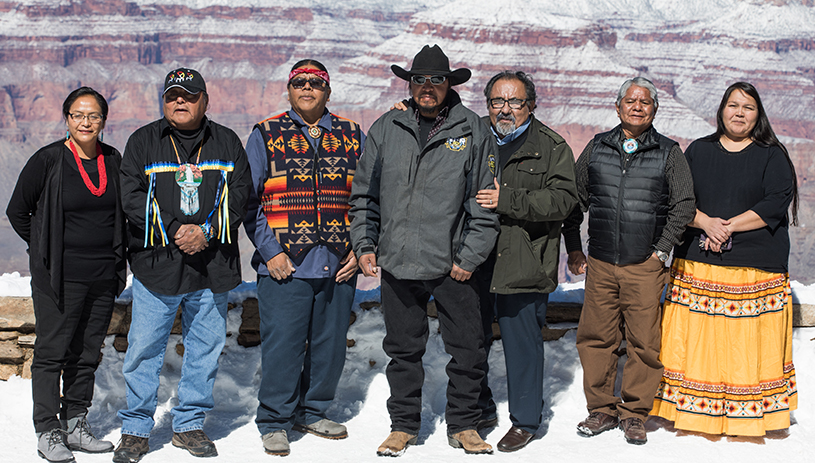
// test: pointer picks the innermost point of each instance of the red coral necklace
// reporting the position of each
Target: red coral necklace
(100, 165)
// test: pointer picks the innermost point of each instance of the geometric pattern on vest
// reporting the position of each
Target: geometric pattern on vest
(305, 196)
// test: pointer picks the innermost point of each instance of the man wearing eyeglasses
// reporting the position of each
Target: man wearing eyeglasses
(534, 191)
(185, 184)
(415, 214)
(302, 163)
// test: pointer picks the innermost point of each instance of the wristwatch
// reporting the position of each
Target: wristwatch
(662, 256)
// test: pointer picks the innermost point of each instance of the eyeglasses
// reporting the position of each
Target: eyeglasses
(514, 103)
(435, 80)
(315, 82)
(79, 117)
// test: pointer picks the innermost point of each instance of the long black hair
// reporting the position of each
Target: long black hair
(762, 134)
(80, 92)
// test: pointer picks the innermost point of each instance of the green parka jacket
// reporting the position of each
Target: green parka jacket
(537, 192)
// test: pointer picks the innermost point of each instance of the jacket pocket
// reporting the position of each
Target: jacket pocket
(518, 262)
(530, 174)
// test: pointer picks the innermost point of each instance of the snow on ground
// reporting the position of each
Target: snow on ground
(12, 284)
(360, 404)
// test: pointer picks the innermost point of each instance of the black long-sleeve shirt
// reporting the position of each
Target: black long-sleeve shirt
(149, 155)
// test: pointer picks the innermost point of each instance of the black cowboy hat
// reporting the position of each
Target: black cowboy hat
(432, 62)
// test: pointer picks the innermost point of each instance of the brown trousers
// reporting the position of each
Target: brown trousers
(621, 299)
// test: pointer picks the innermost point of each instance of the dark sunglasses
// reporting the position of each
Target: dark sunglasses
(435, 80)
(315, 82)
(175, 93)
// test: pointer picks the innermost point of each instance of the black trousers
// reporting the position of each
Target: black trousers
(404, 304)
(482, 278)
(70, 333)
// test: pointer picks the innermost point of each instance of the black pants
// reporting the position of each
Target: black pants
(70, 333)
(404, 304)
(482, 278)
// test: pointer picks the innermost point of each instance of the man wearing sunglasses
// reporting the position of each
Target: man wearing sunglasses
(302, 163)
(534, 191)
(415, 215)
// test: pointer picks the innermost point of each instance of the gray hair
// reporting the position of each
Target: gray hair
(513, 75)
(639, 82)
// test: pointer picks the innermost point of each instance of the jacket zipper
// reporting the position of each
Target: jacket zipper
(625, 160)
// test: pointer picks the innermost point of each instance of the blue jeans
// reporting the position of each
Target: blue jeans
(203, 320)
(303, 326)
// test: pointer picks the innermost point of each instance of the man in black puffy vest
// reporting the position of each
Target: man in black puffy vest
(637, 188)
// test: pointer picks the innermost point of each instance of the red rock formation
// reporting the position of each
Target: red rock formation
(123, 49)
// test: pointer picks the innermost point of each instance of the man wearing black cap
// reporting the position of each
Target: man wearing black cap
(185, 184)
(414, 213)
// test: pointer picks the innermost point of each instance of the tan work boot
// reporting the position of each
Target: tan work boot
(470, 441)
(395, 444)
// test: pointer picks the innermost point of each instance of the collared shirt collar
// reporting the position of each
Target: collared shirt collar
(515, 133)
(324, 122)
(646, 140)
(452, 99)
(640, 138)
(437, 122)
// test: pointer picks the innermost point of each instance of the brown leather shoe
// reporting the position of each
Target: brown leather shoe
(596, 423)
(515, 439)
(395, 444)
(470, 441)
(634, 430)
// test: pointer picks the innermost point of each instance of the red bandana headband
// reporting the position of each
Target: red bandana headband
(321, 74)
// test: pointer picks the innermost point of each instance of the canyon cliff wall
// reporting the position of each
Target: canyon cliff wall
(578, 52)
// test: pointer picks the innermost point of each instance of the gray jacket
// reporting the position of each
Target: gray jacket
(416, 207)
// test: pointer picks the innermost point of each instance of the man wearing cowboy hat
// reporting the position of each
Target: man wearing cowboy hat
(414, 213)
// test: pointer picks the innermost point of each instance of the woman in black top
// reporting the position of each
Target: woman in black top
(66, 206)
(727, 324)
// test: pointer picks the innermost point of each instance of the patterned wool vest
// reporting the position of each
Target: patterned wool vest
(305, 196)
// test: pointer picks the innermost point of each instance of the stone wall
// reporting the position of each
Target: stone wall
(17, 327)
(17, 331)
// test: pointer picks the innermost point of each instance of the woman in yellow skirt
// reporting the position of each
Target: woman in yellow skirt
(727, 324)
